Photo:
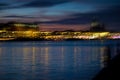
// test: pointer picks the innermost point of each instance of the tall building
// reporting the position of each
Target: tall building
(96, 25)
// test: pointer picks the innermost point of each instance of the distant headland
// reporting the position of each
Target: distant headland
(16, 31)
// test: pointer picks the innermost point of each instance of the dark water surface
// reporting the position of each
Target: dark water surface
(49, 60)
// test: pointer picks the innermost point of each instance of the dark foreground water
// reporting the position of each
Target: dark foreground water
(48, 60)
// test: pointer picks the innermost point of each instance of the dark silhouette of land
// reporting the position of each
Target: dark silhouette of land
(112, 70)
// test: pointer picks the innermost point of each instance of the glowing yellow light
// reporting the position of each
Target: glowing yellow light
(103, 34)
(18, 25)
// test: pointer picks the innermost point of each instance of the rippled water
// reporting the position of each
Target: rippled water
(48, 60)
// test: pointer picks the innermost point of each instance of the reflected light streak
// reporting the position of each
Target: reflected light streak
(0, 52)
(62, 51)
(26, 57)
(87, 58)
(46, 55)
(101, 54)
(105, 56)
(75, 57)
(33, 56)
(62, 58)
(33, 61)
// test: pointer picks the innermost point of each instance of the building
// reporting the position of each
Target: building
(17, 26)
(97, 26)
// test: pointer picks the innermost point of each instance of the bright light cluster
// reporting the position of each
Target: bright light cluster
(59, 35)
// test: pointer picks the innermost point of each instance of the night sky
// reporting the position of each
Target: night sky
(62, 14)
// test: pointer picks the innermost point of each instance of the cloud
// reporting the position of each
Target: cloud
(3, 6)
(16, 16)
(64, 11)
(111, 10)
(70, 21)
(16, 4)
(109, 16)
(45, 3)
(99, 1)
(49, 3)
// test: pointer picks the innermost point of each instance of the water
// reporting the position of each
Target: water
(48, 60)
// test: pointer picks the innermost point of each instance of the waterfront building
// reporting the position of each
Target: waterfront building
(17, 26)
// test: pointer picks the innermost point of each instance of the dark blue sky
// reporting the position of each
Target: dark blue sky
(63, 12)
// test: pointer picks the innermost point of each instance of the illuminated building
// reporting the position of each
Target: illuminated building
(16, 26)
(96, 26)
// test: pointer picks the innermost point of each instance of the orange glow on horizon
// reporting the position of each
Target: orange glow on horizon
(61, 27)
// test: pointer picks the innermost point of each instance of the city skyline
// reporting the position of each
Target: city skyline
(62, 14)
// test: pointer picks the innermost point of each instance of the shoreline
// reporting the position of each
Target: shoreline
(42, 39)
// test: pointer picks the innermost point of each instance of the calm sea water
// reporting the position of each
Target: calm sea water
(49, 60)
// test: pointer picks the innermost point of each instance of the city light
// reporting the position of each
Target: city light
(59, 35)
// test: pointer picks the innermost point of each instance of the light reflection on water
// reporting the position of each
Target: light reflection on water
(72, 60)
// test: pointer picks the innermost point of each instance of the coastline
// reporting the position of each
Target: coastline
(42, 39)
